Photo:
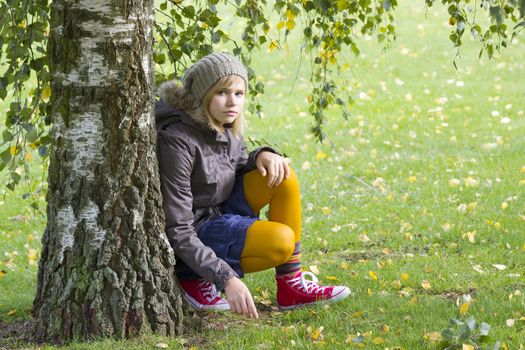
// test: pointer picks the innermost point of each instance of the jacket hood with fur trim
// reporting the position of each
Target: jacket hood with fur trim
(169, 109)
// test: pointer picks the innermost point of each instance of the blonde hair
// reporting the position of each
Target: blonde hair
(225, 82)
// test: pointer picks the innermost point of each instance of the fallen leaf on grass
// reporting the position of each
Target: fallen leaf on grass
(434, 337)
(510, 322)
(11, 313)
(357, 314)
(404, 276)
(478, 269)
(373, 275)
(499, 267)
(378, 341)
(463, 309)
(315, 334)
(467, 347)
(314, 269)
(425, 284)
(161, 345)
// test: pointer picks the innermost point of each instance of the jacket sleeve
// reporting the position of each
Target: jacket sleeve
(246, 161)
(176, 162)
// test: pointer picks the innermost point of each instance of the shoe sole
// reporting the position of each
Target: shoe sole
(199, 306)
(342, 295)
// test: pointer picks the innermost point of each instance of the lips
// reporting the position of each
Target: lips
(231, 113)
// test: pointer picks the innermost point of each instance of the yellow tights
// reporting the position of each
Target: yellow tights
(271, 243)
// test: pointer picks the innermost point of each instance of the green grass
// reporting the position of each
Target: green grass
(376, 199)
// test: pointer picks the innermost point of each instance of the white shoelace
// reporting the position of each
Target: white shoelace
(310, 286)
(208, 290)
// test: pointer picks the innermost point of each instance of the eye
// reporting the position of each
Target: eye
(221, 92)
(239, 93)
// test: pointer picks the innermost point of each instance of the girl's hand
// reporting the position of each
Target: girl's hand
(240, 298)
(273, 165)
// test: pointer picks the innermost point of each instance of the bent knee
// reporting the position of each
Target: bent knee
(291, 183)
(284, 244)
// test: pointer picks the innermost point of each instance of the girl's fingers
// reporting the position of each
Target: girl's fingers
(286, 168)
(252, 308)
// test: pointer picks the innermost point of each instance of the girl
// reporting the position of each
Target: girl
(213, 191)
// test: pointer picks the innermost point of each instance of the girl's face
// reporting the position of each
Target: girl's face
(228, 102)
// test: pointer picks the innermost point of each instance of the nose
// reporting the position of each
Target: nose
(231, 99)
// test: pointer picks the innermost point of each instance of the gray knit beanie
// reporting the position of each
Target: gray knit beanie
(205, 72)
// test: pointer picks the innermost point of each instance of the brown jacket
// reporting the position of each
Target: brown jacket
(198, 166)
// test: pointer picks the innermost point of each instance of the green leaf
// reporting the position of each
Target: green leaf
(7, 136)
(188, 12)
(496, 14)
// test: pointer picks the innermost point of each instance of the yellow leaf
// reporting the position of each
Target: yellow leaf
(22, 25)
(341, 5)
(280, 25)
(273, 45)
(373, 275)
(404, 276)
(33, 146)
(463, 309)
(204, 25)
(471, 235)
(413, 300)
(290, 24)
(344, 265)
(290, 15)
(29, 156)
(385, 328)
(13, 150)
(357, 314)
(2, 273)
(425, 284)
(497, 225)
(467, 347)
(378, 341)
(522, 169)
(46, 94)
(331, 278)
(320, 155)
(471, 206)
(522, 183)
(412, 179)
(31, 254)
(314, 269)
(326, 210)
(504, 205)
(11, 313)
(434, 337)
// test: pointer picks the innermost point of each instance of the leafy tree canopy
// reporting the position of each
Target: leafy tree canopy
(188, 30)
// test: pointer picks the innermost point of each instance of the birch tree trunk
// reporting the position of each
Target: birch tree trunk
(106, 267)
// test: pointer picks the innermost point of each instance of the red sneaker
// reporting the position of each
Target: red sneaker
(203, 295)
(297, 291)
